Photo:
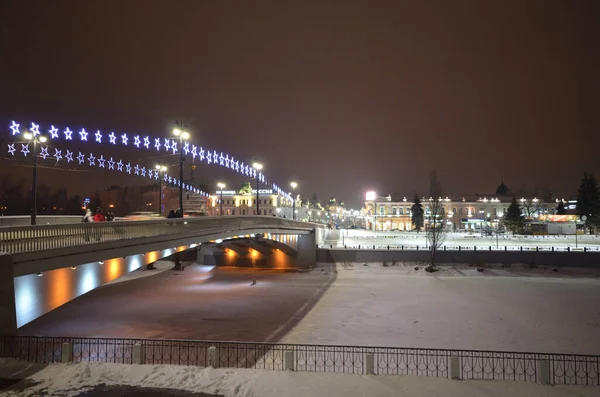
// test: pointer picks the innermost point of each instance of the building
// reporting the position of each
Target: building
(468, 212)
(243, 202)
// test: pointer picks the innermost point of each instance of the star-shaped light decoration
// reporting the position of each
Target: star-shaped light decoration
(247, 170)
(120, 166)
(241, 171)
(201, 153)
(167, 144)
(166, 177)
(174, 147)
(124, 139)
(156, 176)
(136, 141)
(101, 161)
(157, 143)
(143, 171)
(92, 159)
(170, 180)
(194, 151)
(221, 159)
(215, 157)
(68, 134)
(128, 168)
(227, 161)
(83, 134)
(35, 129)
(25, 149)
(136, 169)
(98, 135)
(112, 138)
(147, 142)
(11, 149)
(81, 158)
(111, 164)
(69, 156)
(44, 152)
(186, 148)
(150, 173)
(57, 155)
(15, 128)
(237, 166)
(208, 158)
(53, 132)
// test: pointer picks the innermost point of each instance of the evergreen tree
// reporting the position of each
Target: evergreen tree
(588, 201)
(560, 209)
(513, 218)
(96, 202)
(416, 212)
(314, 201)
(74, 206)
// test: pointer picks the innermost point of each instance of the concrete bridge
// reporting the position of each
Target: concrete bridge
(253, 240)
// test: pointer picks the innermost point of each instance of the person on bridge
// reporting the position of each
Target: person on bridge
(171, 214)
(87, 218)
(99, 217)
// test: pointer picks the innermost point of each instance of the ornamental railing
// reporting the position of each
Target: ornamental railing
(22, 239)
(544, 368)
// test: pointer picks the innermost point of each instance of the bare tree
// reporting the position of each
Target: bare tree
(436, 229)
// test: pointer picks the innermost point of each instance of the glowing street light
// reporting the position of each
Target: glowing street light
(294, 185)
(221, 186)
(35, 139)
(257, 167)
(182, 135)
(162, 169)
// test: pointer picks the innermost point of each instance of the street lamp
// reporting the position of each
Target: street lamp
(41, 139)
(221, 187)
(181, 135)
(162, 169)
(257, 167)
(294, 185)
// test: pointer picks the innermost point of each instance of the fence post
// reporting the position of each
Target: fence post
(66, 354)
(138, 354)
(521, 248)
(544, 372)
(459, 248)
(369, 364)
(474, 248)
(568, 249)
(454, 367)
(288, 360)
(213, 357)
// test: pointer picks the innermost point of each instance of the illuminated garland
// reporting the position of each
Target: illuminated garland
(139, 142)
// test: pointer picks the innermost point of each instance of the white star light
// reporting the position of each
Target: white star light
(124, 139)
(147, 142)
(194, 152)
(221, 160)
(143, 170)
(101, 161)
(208, 158)
(81, 158)
(174, 147)
(15, 128)
(186, 148)
(170, 179)
(92, 159)
(11, 149)
(83, 134)
(137, 169)
(237, 166)
(69, 156)
(241, 171)
(128, 167)
(111, 164)
(35, 129)
(247, 170)
(57, 154)
(44, 152)
(167, 144)
(136, 141)
(156, 176)
(68, 134)
(215, 157)
(201, 153)
(157, 143)
(113, 138)
(166, 177)
(120, 165)
(25, 149)
(53, 132)
(227, 161)
(98, 136)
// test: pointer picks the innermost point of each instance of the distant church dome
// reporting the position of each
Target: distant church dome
(502, 190)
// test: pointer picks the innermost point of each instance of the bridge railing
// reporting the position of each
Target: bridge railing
(22, 239)
(547, 368)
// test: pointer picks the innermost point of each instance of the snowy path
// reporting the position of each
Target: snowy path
(377, 306)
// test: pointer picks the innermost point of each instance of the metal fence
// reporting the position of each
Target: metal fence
(459, 364)
(456, 247)
(22, 239)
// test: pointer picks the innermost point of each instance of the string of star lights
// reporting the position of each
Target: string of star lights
(142, 143)
(107, 163)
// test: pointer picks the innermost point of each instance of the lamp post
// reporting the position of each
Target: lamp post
(221, 187)
(162, 169)
(181, 135)
(294, 185)
(41, 139)
(257, 167)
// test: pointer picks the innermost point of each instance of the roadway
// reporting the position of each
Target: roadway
(192, 304)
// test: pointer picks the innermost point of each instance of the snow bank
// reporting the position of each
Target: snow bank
(73, 379)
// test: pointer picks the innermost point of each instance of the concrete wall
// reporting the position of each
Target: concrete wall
(25, 220)
(8, 315)
(573, 259)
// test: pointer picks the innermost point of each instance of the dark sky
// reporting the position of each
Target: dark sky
(342, 96)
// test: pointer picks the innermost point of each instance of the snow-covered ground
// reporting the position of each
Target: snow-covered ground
(62, 380)
(509, 310)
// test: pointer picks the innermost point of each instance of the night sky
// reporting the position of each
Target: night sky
(341, 96)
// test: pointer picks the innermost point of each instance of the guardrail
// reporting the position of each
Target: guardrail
(415, 247)
(545, 368)
(22, 239)
(24, 220)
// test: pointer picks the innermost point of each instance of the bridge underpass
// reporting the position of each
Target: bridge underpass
(123, 247)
